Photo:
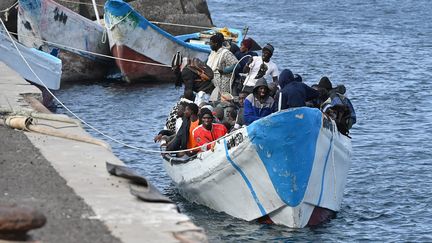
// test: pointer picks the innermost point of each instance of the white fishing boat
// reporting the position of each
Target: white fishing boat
(57, 30)
(151, 49)
(289, 168)
(47, 67)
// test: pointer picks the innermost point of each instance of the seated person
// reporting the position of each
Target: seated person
(258, 104)
(294, 92)
(184, 138)
(208, 131)
(338, 106)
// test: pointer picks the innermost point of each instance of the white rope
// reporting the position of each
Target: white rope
(9, 8)
(93, 53)
(90, 4)
(96, 12)
(89, 125)
(119, 21)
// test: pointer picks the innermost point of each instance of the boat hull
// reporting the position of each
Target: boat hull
(46, 67)
(133, 37)
(283, 167)
(65, 34)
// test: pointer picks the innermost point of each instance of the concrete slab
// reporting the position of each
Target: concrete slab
(82, 165)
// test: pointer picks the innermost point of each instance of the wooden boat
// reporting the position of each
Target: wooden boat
(133, 37)
(55, 29)
(289, 168)
(46, 66)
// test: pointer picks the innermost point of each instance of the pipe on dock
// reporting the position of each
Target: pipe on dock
(26, 123)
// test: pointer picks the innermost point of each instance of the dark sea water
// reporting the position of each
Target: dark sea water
(381, 51)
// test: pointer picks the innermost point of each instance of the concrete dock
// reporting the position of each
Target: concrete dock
(68, 181)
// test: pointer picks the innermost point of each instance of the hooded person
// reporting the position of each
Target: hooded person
(338, 106)
(293, 92)
(260, 67)
(259, 103)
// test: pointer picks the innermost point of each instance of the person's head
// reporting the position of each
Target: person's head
(242, 97)
(325, 83)
(261, 89)
(190, 110)
(189, 94)
(181, 108)
(267, 52)
(219, 113)
(206, 118)
(216, 41)
(246, 45)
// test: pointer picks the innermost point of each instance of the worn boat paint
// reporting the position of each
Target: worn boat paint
(283, 167)
(71, 37)
(46, 66)
(133, 37)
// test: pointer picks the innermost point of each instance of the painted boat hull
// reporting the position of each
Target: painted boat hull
(133, 37)
(68, 35)
(47, 67)
(284, 167)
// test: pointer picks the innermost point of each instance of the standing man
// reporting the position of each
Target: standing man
(208, 131)
(222, 62)
(260, 67)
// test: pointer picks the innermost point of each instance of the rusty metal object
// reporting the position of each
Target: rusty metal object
(18, 220)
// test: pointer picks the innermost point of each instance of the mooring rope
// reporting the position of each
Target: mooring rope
(9, 8)
(91, 126)
(89, 52)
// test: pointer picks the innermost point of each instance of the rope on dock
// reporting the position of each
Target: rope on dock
(91, 126)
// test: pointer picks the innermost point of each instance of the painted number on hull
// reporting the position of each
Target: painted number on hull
(61, 17)
(235, 140)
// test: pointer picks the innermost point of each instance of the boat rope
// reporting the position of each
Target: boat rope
(93, 53)
(118, 21)
(6, 11)
(91, 126)
(9, 8)
(67, 1)
(233, 72)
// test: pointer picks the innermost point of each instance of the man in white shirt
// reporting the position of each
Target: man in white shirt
(259, 67)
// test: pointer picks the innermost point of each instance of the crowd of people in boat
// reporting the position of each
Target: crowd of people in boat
(236, 87)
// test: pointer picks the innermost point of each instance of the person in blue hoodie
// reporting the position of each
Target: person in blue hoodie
(259, 103)
(294, 92)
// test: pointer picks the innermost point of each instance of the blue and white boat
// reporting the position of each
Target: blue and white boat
(45, 66)
(150, 48)
(289, 168)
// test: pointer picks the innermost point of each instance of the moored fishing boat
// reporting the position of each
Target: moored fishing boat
(133, 37)
(289, 168)
(45, 66)
(55, 29)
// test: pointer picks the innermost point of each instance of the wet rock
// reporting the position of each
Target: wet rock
(19, 219)
(185, 12)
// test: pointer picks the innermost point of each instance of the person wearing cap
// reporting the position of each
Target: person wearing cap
(293, 92)
(338, 106)
(259, 67)
(258, 104)
(222, 62)
(208, 131)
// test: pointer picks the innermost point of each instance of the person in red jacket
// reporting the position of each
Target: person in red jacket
(208, 131)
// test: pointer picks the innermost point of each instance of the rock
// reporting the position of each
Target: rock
(19, 219)
(184, 12)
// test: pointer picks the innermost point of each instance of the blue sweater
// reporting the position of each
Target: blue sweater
(254, 109)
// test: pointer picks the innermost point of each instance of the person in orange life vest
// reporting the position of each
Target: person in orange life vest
(208, 131)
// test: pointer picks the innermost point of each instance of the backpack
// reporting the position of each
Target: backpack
(200, 68)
